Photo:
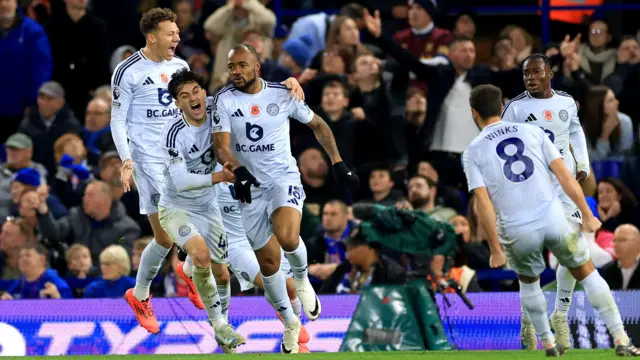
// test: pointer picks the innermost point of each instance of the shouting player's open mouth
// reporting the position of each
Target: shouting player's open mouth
(532, 85)
(172, 50)
(196, 109)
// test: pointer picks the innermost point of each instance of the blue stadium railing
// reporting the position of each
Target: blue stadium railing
(544, 9)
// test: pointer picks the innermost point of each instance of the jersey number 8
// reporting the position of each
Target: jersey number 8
(512, 159)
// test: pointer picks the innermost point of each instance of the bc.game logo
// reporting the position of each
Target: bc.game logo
(254, 132)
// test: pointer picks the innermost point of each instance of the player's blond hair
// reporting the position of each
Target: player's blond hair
(119, 255)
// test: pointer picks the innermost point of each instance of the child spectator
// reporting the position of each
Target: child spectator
(81, 270)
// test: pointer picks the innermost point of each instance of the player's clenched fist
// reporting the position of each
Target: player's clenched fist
(227, 173)
(345, 176)
(590, 224)
(244, 180)
(497, 259)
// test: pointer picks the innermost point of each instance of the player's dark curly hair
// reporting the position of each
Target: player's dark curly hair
(153, 17)
(537, 56)
(181, 77)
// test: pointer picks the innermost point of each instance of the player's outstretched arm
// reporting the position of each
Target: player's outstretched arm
(571, 187)
(487, 218)
(325, 137)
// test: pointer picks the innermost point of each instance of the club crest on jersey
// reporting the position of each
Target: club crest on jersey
(255, 110)
(116, 93)
(155, 199)
(548, 115)
(273, 109)
(184, 230)
(164, 77)
(564, 115)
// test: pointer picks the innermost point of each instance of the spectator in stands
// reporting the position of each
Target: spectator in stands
(115, 267)
(423, 39)
(623, 273)
(120, 54)
(316, 26)
(343, 32)
(316, 180)
(327, 249)
(381, 186)
(72, 172)
(295, 54)
(270, 70)
(415, 113)
(616, 204)
(598, 61)
(423, 193)
(609, 132)
(448, 196)
(98, 223)
(104, 92)
(333, 109)
(192, 39)
(97, 130)
(521, 41)
(227, 26)
(371, 101)
(625, 81)
(16, 233)
(37, 280)
(475, 252)
(364, 266)
(81, 271)
(138, 247)
(26, 65)
(27, 184)
(110, 167)
(465, 25)
(80, 53)
(19, 148)
(46, 123)
(450, 82)
(630, 170)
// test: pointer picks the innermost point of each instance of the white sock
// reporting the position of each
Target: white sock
(564, 293)
(599, 295)
(298, 261)
(276, 288)
(150, 263)
(532, 299)
(225, 297)
(206, 285)
(188, 266)
(297, 306)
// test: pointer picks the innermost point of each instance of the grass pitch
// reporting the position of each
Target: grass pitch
(414, 355)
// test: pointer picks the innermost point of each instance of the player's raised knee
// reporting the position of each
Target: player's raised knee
(197, 248)
(221, 273)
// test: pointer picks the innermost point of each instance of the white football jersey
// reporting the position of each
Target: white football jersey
(259, 127)
(512, 162)
(557, 116)
(231, 216)
(142, 99)
(189, 161)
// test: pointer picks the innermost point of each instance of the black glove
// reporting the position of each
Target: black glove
(346, 176)
(242, 185)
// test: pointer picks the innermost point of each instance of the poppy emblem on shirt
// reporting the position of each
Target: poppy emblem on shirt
(164, 77)
(255, 110)
(548, 115)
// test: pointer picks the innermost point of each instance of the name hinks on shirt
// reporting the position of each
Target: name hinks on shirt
(509, 129)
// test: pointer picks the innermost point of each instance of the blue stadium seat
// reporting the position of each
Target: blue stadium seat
(606, 168)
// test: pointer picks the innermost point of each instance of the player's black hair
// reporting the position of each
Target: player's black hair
(486, 100)
(249, 48)
(181, 77)
(538, 56)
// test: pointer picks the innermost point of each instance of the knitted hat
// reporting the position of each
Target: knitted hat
(298, 49)
(28, 176)
(431, 6)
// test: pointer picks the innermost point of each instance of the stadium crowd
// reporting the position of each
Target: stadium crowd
(396, 100)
